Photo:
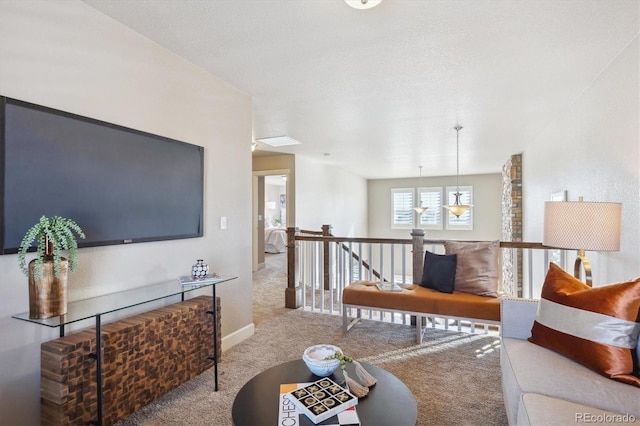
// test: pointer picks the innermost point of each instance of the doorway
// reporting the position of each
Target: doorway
(271, 213)
(275, 201)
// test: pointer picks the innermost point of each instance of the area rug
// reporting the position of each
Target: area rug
(454, 377)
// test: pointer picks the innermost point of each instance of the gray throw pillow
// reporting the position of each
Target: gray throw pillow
(477, 269)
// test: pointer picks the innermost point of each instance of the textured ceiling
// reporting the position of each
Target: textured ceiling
(380, 90)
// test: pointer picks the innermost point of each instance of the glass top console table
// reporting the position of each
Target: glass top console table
(95, 307)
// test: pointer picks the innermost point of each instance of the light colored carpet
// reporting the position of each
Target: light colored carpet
(454, 377)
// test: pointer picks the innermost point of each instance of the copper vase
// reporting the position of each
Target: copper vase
(48, 295)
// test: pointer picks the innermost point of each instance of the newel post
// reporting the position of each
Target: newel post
(293, 292)
(326, 232)
(417, 236)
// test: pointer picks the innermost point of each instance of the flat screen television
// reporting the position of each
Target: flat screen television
(120, 185)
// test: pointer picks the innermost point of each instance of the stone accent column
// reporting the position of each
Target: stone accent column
(512, 224)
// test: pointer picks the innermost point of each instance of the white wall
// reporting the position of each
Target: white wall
(66, 55)
(487, 205)
(328, 195)
(593, 150)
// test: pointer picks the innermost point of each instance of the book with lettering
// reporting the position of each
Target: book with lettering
(322, 402)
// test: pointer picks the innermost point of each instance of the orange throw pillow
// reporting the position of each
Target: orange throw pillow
(597, 327)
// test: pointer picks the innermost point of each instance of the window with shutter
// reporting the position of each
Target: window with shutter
(402, 208)
(431, 198)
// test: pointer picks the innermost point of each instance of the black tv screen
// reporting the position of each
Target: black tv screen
(120, 185)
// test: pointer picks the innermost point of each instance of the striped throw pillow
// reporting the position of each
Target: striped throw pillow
(597, 327)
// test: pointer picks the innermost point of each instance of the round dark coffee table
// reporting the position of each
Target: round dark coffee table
(389, 402)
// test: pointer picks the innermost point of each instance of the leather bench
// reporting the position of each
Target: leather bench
(419, 301)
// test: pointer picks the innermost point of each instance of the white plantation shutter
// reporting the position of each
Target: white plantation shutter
(432, 199)
(465, 221)
(402, 208)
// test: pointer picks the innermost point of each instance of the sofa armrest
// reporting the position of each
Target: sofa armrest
(517, 317)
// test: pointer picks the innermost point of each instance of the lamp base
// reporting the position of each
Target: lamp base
(582, 260)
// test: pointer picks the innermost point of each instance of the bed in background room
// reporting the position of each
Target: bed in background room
(275, 240)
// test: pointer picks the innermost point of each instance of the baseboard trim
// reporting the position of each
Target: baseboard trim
(237, 336)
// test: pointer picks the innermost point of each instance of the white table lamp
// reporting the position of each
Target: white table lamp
(580, 225)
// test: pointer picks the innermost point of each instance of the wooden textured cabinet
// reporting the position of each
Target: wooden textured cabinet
(141, 358)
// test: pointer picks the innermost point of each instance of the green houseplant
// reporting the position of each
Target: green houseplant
(48, 271)
(52, 234)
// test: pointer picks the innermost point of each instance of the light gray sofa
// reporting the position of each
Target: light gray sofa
(541, 387)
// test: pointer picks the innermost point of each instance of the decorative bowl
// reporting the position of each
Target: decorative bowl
(314, 356)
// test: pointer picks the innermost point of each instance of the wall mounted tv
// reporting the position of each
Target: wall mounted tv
(120, 185)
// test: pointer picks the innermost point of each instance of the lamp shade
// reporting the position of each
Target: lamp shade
(582, 225)
(420, 209)
(270, 205)
(457, 209)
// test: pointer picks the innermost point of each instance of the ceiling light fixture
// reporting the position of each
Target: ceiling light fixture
(420, 209)
(278, 141)
(362, 4)
(457, 208)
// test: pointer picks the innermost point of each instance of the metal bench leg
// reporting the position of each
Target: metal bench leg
(348, 324)
(345, 320)
(419, 320)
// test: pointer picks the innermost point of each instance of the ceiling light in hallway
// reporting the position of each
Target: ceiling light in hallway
(420, 209)
(362, 4)
(457, 209)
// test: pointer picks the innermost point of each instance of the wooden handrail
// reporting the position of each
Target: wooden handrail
(503, 244)
(352, 239)
(305, 231)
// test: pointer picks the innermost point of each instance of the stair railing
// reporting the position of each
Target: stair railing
(320, 265)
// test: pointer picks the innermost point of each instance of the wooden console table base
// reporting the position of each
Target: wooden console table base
(143, 357)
